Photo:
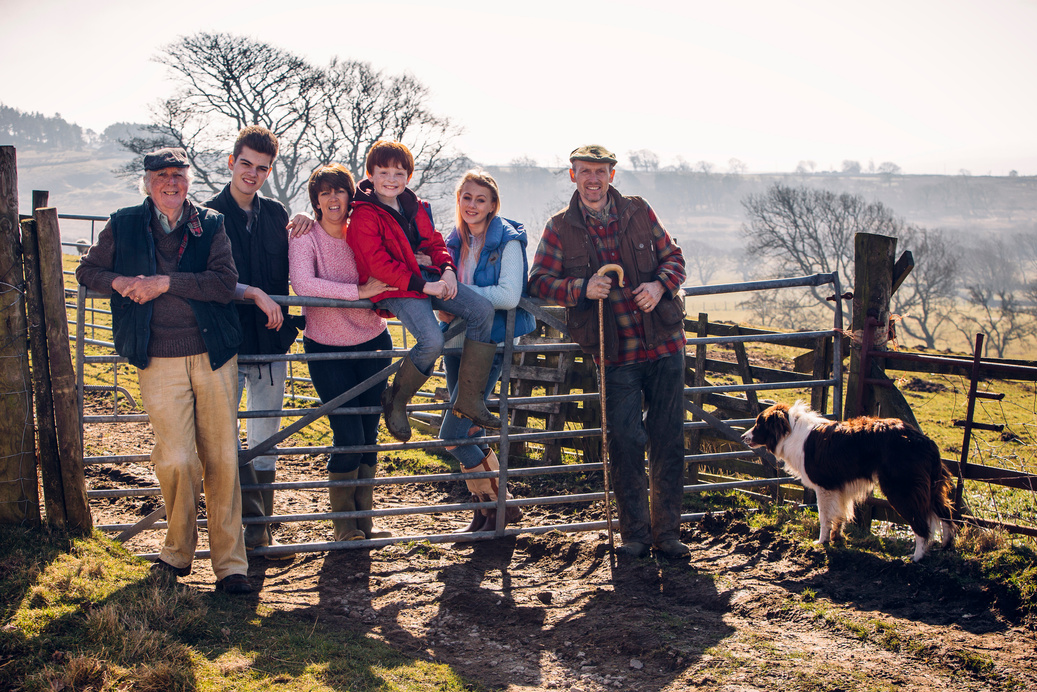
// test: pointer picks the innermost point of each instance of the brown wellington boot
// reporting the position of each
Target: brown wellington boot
(486, 490)
(476, 362)
(343, 500)
(395, 398)
(478, 517)
(365, 501)
(491, 521)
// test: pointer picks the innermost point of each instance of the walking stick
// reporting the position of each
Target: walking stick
(601, 395)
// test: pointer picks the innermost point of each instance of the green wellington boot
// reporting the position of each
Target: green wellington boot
(365, 501)
(395, 398)
(343, 499)
(476, 362)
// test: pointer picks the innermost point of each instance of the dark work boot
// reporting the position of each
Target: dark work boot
(256, 535)
(476, 363)
(268, 495)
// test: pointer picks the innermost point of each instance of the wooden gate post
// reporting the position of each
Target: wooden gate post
(43, 395)
(62, 374)
(872, 289)
(876, 278)
(19, 496)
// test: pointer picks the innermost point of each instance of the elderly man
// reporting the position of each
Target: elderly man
(644, 339)
(169, 268)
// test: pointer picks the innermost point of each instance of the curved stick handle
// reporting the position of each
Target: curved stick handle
(612, 268)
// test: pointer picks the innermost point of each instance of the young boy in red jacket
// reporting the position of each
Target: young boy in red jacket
(391, 232)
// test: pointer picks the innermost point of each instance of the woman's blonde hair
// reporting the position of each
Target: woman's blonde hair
(482, 179)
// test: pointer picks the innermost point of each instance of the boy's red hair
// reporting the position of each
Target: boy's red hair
(387, 154)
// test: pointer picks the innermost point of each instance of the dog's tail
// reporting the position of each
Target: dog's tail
(941, 490)
(942, 485)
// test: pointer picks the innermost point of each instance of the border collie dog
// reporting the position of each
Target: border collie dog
(842, 462)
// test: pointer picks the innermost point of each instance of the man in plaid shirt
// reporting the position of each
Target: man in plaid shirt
(644, 339)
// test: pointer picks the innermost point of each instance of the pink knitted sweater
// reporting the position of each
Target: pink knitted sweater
(324, 267)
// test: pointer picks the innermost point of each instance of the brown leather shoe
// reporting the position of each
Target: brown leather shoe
(235, 584)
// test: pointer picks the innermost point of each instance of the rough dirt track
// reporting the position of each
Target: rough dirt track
(751, 610)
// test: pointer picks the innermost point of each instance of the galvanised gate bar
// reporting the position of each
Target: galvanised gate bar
(504, 439)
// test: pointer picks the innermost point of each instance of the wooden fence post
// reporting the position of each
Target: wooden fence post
(43, 395)
(19, 496)
(62, 374)
(872, 288)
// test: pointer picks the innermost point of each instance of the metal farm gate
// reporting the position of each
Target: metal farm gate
(824, 375)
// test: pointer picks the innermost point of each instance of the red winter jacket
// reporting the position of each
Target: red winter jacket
(382, 249)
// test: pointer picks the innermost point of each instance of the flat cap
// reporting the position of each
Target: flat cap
(169, 157)
(592, 152)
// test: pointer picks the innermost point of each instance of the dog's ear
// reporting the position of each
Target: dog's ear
(773, 426)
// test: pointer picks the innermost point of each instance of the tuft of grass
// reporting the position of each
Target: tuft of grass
(976, 663)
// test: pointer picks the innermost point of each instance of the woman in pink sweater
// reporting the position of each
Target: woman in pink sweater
(322, 265)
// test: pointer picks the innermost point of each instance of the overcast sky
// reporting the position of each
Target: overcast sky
(935, 86)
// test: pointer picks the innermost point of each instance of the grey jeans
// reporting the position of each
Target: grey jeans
(418, 317)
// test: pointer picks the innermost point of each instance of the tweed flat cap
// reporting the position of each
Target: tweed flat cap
(592, 152)
(169, 157)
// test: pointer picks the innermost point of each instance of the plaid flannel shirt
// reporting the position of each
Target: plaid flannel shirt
(547, 281)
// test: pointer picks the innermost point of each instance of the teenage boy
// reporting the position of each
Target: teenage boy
(389, 227)
(256, 228)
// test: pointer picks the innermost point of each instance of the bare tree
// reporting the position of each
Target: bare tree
(703, 261)
(806, 167)
(992, 288)
(320, 115)
(737, 167)
(926, 299)
(999, 315)
(704, 167)
(851, 167)
(889, 168)
(800, 231)
(524, 161)
(644, 160)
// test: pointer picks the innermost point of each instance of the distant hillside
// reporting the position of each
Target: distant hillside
(699, 209)
(707, 208)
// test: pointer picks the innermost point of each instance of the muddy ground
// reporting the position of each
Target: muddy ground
(751, 610)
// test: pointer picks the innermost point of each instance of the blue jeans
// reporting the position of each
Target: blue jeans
(331, 378)
(661, 425)
(456, 428)
(264, 385)
(418, 317)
